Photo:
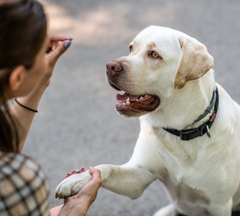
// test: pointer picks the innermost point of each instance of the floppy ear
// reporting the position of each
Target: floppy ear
(194, 62)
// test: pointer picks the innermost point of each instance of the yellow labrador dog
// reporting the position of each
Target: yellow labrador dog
(190, 127)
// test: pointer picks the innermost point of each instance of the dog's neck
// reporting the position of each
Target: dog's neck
(185, 106)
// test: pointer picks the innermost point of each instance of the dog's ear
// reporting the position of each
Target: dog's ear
(194, 62)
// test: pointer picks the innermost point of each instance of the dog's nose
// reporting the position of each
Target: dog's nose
(114, 66)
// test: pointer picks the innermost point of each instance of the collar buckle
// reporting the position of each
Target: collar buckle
(185, 135)
(192, 133)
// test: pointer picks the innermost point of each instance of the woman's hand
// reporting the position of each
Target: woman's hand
(57, 46)
(80, 203)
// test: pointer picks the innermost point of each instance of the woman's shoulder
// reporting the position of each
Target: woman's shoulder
(14, 164)
(10, 162)
(23, 185)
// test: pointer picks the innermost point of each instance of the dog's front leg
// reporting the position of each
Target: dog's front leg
(129, 180)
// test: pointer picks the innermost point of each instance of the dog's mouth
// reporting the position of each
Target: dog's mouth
(136, 105)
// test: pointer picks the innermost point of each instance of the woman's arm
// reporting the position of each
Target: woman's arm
(55, 211)
(24, 116)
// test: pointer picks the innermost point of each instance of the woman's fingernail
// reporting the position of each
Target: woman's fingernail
(68, 43)
(92, 166)
(70, 37)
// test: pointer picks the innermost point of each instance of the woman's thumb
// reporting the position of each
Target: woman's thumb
(61, 49)
(95, 172)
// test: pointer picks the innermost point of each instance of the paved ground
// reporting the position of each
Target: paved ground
(77, 125)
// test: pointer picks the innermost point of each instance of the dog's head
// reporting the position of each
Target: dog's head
(160, 61)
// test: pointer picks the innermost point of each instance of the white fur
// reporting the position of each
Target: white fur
(202, 175)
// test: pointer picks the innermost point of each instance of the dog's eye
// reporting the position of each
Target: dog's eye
(155, 55)
(130, 48)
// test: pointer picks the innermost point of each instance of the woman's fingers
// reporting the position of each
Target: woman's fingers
(55, 41)
(57, 48)
(58, 38)
(79, 204)
(91, 188)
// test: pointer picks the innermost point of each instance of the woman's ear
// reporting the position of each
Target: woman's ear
(16, 77)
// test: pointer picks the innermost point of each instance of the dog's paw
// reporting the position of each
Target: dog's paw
(72, 184)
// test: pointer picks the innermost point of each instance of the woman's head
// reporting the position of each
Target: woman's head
(23, 28)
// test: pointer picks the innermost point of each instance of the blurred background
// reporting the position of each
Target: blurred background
(77, 125)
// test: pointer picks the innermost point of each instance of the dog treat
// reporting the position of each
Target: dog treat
(75, 171)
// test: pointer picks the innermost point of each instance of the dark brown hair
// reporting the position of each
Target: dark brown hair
(23, 28)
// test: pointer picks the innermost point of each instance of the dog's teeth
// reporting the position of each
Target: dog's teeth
(124, 103)
(137, 100)
(141, 98)
(146, 95)
(128, 101)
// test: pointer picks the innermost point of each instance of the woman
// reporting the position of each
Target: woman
(25, 72)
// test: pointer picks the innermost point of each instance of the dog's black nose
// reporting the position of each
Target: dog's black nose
(114, 66)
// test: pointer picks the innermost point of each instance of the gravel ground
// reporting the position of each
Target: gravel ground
(77, 125)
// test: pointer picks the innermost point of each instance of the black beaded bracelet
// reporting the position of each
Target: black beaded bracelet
(26, 107)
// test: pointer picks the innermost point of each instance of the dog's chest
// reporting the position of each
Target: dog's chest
(183, 161)
(185, 196)
(187, 169)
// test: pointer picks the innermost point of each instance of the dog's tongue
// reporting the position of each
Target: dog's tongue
(124, 97)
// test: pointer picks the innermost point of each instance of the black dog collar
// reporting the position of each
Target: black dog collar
(204, 128)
